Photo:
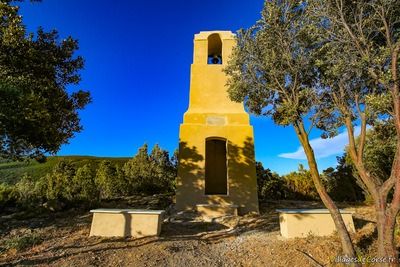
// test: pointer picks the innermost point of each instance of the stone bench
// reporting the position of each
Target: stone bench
(304, 222)
(126, 222)
(215, 210)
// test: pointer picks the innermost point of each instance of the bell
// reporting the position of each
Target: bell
(215, 59)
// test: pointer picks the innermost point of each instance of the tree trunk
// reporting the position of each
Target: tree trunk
(389, 242)
(380, 208)
(386, 216)
(390, 222)
(385, 220)
(386, 243)
(344, 235)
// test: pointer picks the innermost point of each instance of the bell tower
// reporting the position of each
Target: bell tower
(216, 147)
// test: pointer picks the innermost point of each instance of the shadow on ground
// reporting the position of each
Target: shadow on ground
(67, 241)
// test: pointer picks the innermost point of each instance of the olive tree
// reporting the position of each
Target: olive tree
(359, 84)
(272, 69)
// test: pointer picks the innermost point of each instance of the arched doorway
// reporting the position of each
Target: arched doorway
(216, 178)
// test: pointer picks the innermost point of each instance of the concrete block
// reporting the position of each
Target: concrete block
(305, 222)
(126, 222)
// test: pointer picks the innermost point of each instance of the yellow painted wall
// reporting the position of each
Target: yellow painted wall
(212, 114)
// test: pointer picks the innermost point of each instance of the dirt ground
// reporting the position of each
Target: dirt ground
(185, 240)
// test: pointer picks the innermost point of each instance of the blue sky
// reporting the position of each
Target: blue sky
(137, 66)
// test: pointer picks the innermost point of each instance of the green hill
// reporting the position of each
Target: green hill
(10, 172)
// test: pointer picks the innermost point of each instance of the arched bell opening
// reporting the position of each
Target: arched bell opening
(214, 49)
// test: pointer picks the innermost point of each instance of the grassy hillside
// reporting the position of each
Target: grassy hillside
(10, 172)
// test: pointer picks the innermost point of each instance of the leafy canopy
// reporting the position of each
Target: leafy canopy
(37, 114)
(271, 68)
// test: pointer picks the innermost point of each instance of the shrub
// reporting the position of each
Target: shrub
(58, 183)
(23, 242)
(341, 183)
(25, 191)
(270, 185)
(6, 195)
(109, 181)
(300, 185)
(65, 184)
(151, 174)
(84, 186)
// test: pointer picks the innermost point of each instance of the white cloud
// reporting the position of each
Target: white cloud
(323, 147)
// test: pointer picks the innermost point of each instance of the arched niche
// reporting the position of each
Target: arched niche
(214, 49)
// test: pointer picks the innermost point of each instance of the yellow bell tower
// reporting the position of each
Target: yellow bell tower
(216, 149)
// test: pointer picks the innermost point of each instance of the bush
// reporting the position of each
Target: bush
(58, 184)
(109, 180)
(6, 195)
(84, 186)
(25, 191)
(151, 174)
(23, 242)
(270, 185)
(66, 185)
(300, 185)
(341, 183)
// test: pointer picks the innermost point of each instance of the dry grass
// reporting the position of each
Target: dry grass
(185, 241)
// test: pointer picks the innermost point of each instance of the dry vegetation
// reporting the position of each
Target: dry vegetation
(61, 239)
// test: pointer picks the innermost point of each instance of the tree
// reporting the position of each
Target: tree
(359, 84)
(137, 171)
(58, 183)
(163, 168)
(342, 184)
(107, 180)
(300, 184)
(37, 114)
(270, 184)
(272, 69)
(25, 191)
(151, 173)
(380, 149)
(85, 188)
(378, 155)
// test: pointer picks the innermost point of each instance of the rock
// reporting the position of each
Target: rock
(54, 205)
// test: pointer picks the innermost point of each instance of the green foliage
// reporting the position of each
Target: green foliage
(342, 184)
(379, 153)
(163, 169)
(109, 181)
(12, 171)
(73, 181)
(84, 185)
(358, 78)
(138, 171)
(6, 195)
(270, 184)
(25, 191)
(300, 185)
(380, 149)
(37, 114)
(272, 66)
(20, 243)
(59, 183)
(151, 173)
